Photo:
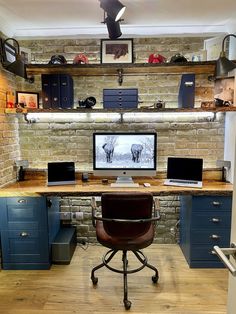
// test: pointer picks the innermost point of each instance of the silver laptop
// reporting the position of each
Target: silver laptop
(61, 173)
(186, 172)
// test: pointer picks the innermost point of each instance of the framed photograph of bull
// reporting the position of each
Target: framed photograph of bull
(117, 51)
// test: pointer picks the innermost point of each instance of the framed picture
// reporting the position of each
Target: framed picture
(224, 91)
(8, 53)
(27, 99)
(25, 55)
(117, 51)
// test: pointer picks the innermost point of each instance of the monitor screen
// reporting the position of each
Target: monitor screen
(124, 154)
(60, 173)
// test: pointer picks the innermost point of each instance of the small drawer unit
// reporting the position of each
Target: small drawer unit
(204, 222)
(123, 98)
(28, 226)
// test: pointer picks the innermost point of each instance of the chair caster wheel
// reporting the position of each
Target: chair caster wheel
(127, 304)
(94, 280)
(155, 279)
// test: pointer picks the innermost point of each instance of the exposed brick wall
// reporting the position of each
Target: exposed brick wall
(9, 138)
(69, 137)
(169, 208)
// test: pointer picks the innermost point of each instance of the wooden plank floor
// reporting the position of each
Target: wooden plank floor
(67, 289)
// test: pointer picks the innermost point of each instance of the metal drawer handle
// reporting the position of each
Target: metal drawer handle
(212, 252)
(215, 203)
(24, 234)
(216, 220)
(22, 200)
(214, 236)
(222, 252)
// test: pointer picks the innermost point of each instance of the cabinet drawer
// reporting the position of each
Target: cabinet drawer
(22, 200)
(120, 104)
(30, 213)
(203, 252)
(213, 237)
(120, 92)
(210, 219)
(203, 203)
(120, 98)
(32, 248)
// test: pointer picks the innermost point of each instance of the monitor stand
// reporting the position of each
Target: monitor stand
(124, 182)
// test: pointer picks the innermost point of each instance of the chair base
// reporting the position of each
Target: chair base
(109, 256)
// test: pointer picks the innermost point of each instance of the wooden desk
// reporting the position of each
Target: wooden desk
(213, 190)
(95, 187)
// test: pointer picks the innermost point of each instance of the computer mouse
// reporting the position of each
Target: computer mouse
(146, 184)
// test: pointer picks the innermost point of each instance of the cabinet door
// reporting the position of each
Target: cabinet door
(25, 246)
(24, 212)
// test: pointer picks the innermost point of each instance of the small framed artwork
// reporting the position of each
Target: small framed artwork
(27, 99)
(117, 51)
(25, 55)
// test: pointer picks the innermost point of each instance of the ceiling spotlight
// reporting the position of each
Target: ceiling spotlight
(113, 28)
(223, 64)
(113, 8)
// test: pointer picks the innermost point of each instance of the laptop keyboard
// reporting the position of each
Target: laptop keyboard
(185, 181)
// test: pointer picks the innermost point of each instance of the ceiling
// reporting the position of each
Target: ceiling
(82, 18)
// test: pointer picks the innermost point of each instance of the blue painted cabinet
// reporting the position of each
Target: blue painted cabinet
(204, 222)
(28, 227)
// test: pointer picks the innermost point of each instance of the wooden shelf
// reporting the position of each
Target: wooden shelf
(121, 111)
(206, 67)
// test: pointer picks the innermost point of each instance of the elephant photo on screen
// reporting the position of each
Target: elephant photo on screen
(109, 150)
(136, 150)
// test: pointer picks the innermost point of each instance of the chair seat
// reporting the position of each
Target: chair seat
(117, 243)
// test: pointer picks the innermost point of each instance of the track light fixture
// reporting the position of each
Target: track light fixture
(223, 64)
(113, 28)
(11, 58)
(113, 8)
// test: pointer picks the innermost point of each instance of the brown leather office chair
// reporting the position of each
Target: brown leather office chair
(126, 224)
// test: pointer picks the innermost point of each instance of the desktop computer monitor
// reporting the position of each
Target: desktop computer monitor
(124, 155)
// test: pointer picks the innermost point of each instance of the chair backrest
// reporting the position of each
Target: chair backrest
(127, 205)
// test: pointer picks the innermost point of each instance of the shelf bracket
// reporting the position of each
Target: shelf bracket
(120, 76)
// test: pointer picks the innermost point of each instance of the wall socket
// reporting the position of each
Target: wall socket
(78, 215)
(65, 215)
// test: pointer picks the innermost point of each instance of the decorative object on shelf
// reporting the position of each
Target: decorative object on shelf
(207, 105)
(11, 58)
(57, 59)
(89, 102)
(156, 58)
(223, 64)
(159, 104)
(27, 99)
(10, 99)
(178, 58)
(80, 59)
(224, 94)
(117, 51)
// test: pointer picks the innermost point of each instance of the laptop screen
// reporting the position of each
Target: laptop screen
(60, 173)
(184, 168)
